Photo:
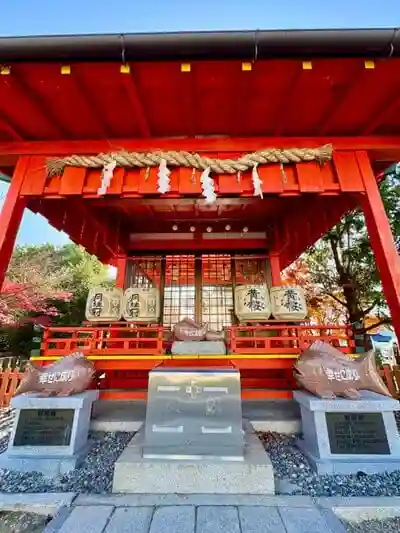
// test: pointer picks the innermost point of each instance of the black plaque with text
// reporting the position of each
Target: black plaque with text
(44, 427)
(357, 433)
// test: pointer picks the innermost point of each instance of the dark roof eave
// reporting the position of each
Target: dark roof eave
(366, 43)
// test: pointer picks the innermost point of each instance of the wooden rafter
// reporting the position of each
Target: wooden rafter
(38, 102)
(7, 126)
(340, 101)
(380, 116)
(131, 90)
(282, 107)
(75, 81)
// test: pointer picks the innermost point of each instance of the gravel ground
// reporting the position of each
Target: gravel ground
(18, 522)
(294, 475)
(390, 525)
(95, 474)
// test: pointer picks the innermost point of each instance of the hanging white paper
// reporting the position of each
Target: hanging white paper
(163, 177)
(257, 182)
(207, 185)
(106, 176)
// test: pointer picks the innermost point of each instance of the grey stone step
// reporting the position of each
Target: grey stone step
(201, 519)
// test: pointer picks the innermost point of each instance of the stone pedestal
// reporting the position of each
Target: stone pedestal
(50, 435)
(194, 413)
(136, 474)
(193, 440)
(348, 436)
(198, 348)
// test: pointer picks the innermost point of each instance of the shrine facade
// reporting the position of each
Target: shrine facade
(200, 166)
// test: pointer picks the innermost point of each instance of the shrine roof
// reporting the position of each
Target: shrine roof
(261, 44)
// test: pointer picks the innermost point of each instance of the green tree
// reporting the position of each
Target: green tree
(343, 265)
(46, 280)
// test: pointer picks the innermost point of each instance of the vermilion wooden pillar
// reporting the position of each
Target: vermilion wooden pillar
(121, 272)
(11, 215)
(382, 242)
(275, 266)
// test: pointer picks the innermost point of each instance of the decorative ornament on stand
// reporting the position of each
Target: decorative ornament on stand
(257, 182)
(207, 185)
(163, 177)
(106, 176)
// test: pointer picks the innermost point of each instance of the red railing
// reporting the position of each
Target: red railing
(120, 339)
(283, 338)
(105, 340)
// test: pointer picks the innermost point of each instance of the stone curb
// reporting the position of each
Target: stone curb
(152, 500)
(57, 521)
(45, 503)
(353, 509)
(358, 508)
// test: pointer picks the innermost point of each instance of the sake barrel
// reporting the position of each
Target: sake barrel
(103, 305)
(288, 303)
(252, 302)
(141, 305)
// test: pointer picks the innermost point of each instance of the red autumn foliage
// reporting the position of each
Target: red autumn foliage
(19, 301)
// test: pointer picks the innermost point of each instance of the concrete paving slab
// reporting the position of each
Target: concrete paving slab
(130, 520)
(58, 520)
(308, 520)
(91, 519)
(259, 519)
(332, 521)
(212, 519)
(169, 519)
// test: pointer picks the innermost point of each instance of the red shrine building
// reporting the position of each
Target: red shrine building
(200, 165)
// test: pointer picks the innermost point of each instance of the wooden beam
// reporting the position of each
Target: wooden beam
(131, 90)
(199, 244)
(382, 242)
(211, 144)
(11, 216)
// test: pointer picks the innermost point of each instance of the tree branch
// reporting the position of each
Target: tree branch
(369, 309)
(383, 321)
(337, 299)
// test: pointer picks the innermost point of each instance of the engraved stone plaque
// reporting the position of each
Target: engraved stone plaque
(357, 433)
(44, 427)
(194, 412)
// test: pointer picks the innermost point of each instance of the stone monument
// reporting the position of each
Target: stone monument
(50, 434)
(194, 439)
(351, 434)
(345, 436)
(51, 426)
(194, 413)
(191, 338)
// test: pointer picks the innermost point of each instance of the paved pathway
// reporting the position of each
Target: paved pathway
(195, 519)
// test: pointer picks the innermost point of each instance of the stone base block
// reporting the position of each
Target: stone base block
(344, 436)
(48, 465)
(349, 465)
(198, 348)
(135, 474)
(50, 434)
